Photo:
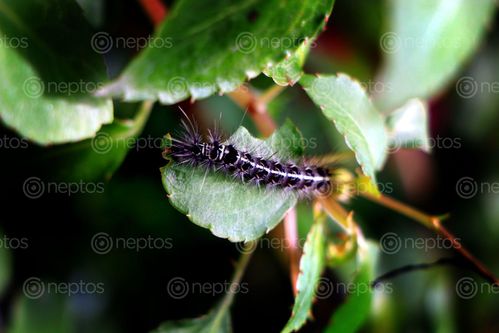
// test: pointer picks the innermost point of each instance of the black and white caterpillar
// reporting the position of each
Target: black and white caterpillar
(212, 153)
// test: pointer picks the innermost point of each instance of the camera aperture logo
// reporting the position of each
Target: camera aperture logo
(35, 288)
(103, 243)
(178, 288)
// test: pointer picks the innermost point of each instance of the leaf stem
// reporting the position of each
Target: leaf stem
(335, 211)
(435, 223)
(241, 266)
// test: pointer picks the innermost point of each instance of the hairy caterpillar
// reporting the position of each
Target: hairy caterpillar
(212, 153)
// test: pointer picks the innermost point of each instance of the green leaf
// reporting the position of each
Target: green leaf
(290, 70)
(229, 208)
(230, 42)
(49, 72)
(312, 264)
(427, 43)
(344, 102)
(97, 158)
(5, 267)
(352, 314)
(216, 321)
(48, 314)
(408, 126)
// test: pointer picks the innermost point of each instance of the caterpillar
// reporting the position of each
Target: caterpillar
(213, 153)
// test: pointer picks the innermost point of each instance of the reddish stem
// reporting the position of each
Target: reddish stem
(292, 244)
(434, 223)
(155, 10)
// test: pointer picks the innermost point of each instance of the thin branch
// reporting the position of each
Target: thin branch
(257, 109)
(241, 266)
(415, 267)
(335, 211)
(435, 223)
(271, 93)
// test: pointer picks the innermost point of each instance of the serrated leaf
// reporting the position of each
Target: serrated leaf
(290, 70)
(216, 52)
(312, 263)
(344, 102)
(49, 72)
(229, 208)
(408, 126)
(426, 44)
(216, 321)
(352, 314)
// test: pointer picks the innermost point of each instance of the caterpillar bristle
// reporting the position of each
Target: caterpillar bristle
(211, 152)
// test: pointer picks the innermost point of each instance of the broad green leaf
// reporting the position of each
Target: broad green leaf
(312, 263)
(229, 208)
(216, 321)
(427, 43)
(408, 126)
(49, 72)
(48, 314)
(230, 42)
(352, 314)
(344, 102)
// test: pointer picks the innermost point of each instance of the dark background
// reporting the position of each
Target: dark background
(59, 227)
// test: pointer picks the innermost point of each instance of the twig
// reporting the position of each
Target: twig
(257, 109)
(242, 263)
(434, 223)
(335, 211)
(415, 267)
